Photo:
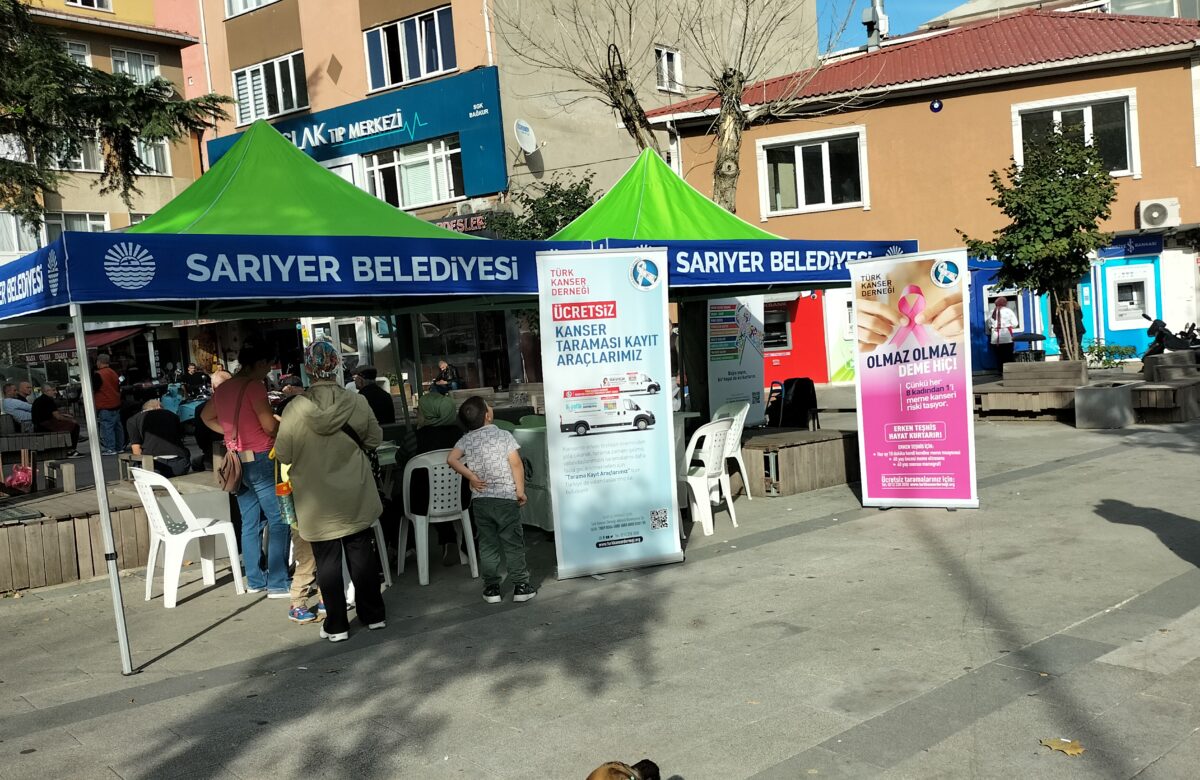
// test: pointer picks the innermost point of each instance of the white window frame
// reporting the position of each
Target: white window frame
(136, 218)
(166, 147)
(801, 139)
(230, 13)
(92, 5)
(87, 50)
(1069, 102)
(63, 166)
(39, 236)
(58, 218)
(241, 120)
(441, 156)
(125, 52)
(398, 24)
(662, 76)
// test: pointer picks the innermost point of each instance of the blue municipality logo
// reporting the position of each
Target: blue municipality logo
(643, 274)
(52, 273)
(129, 266)
(944, 273)
(894, 250)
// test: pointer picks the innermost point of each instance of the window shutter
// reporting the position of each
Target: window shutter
(375, 59)
(446, 31)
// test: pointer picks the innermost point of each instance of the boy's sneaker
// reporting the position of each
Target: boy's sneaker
(524, 592)
(110, 452)
(75, 454)
(491, 594)
(340, 637)
(302, 615)
(321, 608)
(377, 626)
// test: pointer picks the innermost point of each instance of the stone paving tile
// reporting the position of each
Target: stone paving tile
(1169, 648)
(819, 762)
(1181, 762)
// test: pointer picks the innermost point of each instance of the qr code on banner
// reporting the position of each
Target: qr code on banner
(658, 519)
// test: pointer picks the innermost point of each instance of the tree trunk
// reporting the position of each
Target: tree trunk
(1066, 323)
(731, 121)
(625, 101)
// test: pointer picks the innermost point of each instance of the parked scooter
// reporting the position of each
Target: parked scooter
(1165, 340)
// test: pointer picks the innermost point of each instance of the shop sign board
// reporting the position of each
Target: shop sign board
(735, 354)
(915, 399)
(609, 427)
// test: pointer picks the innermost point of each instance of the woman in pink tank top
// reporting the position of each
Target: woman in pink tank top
(240, 411)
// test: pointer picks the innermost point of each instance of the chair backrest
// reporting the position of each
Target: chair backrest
(797, 404)
(8, 424)
(505, 425)
(145, 482)
(708, 446)
(445, 484)
(736, 411)
(533, 421)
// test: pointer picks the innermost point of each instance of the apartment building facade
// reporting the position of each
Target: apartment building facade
(426, 105)
(121, 36)
(915, 127)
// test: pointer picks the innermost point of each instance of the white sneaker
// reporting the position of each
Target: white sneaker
(342, 637)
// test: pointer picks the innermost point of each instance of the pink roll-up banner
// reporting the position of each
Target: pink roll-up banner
(916, 426)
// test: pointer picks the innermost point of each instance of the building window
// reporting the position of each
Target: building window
(154, 155)
(12, 148)
(85, 158)
(1184, 9)
(417, 175)
(98, 5)
(140, 66)
(270, 88)
(238, 7)
(1103, 125)
(668, 69)
(79, 51)
(348, 345)
(136, 218)
(1106, 120)
(812, 173)
(58, 223)
(777, 327)
(15, 235)
(411, 49)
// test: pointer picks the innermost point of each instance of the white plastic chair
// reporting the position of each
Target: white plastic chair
(733, 443)
(445, 506)
(175, 535)
(707, 446)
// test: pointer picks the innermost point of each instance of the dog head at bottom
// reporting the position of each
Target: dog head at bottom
(615, 770)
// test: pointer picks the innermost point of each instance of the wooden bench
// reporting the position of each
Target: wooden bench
(786, 461)
(1167, 401)
(1170, 366)
(1033, 391)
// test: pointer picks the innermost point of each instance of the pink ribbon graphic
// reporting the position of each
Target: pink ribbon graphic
(910, 310)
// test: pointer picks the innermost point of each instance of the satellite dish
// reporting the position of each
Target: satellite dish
(525, 137)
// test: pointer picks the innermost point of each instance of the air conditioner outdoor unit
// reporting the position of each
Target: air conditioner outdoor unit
(1161, 213)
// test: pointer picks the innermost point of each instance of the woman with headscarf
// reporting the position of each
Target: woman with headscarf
(322, 435)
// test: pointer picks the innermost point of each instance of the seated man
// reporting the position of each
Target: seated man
(205, 438)
(155, 431)
(436, 408)
(195, 379)
(378, 399)
(49, 418)
(20, 409)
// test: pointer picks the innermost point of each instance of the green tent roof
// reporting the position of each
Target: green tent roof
(264, 185)
(652, 202)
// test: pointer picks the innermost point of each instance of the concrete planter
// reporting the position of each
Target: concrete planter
(1105, 405)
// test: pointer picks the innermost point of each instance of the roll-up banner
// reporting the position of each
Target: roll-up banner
(609, 426)
(735, 354)
(915, 401)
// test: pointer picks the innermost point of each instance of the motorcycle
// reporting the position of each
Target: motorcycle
(1165, 340)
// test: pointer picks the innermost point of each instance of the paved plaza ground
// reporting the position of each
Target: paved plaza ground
(819, 639)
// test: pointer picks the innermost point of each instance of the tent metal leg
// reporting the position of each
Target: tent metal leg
(397, 361)
(93, 431)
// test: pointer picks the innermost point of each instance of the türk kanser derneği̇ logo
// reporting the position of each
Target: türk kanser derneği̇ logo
(129, 266)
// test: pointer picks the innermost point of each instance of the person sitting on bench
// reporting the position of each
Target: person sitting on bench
(158, 432)
(47, 417)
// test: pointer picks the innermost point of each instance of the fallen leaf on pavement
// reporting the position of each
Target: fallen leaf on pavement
(1069, 746)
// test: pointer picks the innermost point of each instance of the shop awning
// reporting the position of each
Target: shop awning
(65, 349)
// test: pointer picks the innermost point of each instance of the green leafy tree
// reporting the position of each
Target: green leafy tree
(543, 209)
(50, 106)
(1055, 203)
